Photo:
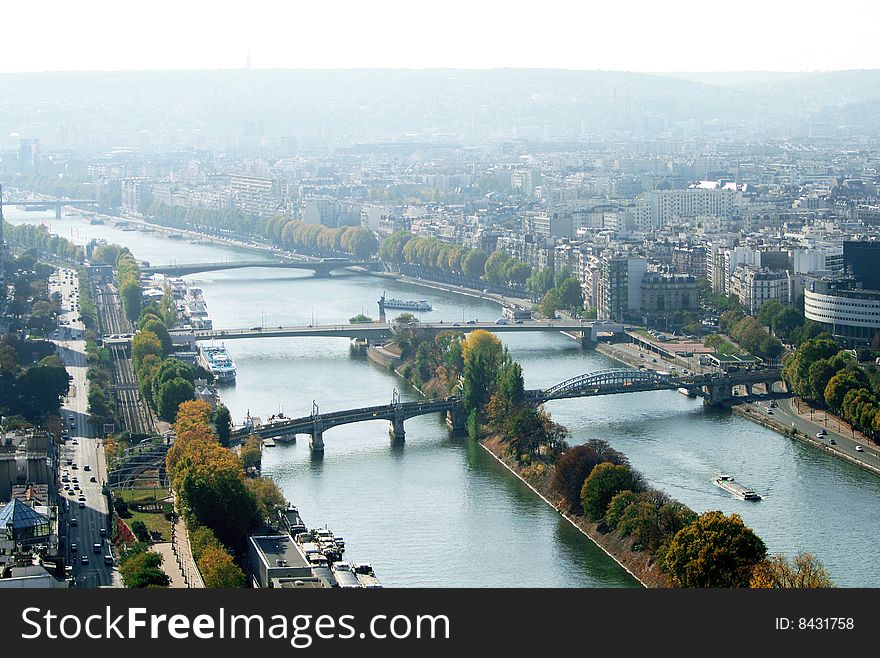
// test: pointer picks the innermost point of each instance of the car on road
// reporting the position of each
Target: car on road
(92, 479)
(96, 548)
(84, 559)
(860, 449)
(86, 467)
(822, 432)
(82, 504)
(73, 520)
(108, 559)
(832, 442)
(103, 532)
(73, 548)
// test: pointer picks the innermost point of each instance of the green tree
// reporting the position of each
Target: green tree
(571, 296)
(360, 318)
(604, 482)
(142, 569)
(574, 467)
(222, 421)
(171, 394)
(268, 496)
(143, 343)
(714, 551)
(202, 538)
(769, 310)
(483, 356)
(158, 327)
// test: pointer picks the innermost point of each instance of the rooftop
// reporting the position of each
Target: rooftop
(279, 547)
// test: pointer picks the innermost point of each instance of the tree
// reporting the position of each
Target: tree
(144, 343)
(714, 551)
(202, 538)
(472, 264)
(209, 481)
(219, 571)
(574, 467)
(360, 318)
(604, 482)
(769, 310)
(786, 321)
(268, 496)
(251, 454)
(139, 528)
(158, 327)
(405, 318)
(171, 395)
(483, 356)
(222, 424)
(618, 506)
(571, 296)
(142, 569)
(777, 572)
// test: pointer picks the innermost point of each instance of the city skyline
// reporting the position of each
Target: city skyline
(642, 38)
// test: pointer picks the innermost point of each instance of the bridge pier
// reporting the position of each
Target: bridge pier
(57, 211)
(316, 441)
(396, 431)
(456, 420)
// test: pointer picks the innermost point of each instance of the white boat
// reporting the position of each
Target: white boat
(727, 483)
(217, 361)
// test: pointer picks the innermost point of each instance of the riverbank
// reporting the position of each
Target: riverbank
(638, 565)
(747, 412)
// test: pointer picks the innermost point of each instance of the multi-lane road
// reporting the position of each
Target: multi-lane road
(82, 456)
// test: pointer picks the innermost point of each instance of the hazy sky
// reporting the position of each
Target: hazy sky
(778, 35)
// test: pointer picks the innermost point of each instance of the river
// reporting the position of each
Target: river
(440, 511)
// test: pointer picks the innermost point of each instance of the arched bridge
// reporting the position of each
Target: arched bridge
(315, 424)
(605, 382)
(715, 388)
(320, 266)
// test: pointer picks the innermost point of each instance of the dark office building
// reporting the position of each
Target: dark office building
(862, 260)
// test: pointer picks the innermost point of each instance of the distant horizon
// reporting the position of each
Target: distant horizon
(671, 38)
(446, 68)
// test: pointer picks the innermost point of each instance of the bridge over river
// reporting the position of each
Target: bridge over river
(384, 330)
(715, 388)
(320, 266)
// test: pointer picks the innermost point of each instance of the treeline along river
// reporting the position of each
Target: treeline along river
(440, 511)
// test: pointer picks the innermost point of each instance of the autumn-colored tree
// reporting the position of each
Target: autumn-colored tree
(201, 539)
(209, 481)
(483, 357)
(606, 481)
(219, 571)
(268, 496)
(714, 551)
(251, 453)
(576, 464)
(143, 343)
(776, 572)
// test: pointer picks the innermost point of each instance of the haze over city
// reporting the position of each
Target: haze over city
(634, 36)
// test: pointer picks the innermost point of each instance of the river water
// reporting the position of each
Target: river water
(440, 511)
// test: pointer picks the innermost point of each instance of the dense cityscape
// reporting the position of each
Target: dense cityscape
(678, 255)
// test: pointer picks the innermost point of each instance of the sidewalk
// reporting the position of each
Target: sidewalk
(169, 564)
(182, 554)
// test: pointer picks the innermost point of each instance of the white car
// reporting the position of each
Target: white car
(860, 449)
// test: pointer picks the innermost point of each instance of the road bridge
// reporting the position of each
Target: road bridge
(320, 266)
(714, 388)
(382, 330)
(57, 205)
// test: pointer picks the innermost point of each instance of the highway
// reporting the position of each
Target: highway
(82, 455)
